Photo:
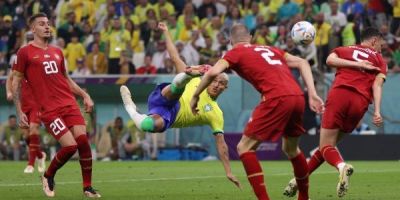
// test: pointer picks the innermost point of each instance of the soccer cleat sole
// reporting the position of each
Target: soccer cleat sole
(344, 180)
(291, 189)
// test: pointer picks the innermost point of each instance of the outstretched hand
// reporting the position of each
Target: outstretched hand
(234, 180)
(162, 26)
(88, 102)
(316, 104)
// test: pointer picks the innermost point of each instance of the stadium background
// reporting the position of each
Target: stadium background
(200, 27)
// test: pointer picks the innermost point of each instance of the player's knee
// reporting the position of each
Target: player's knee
(147, 124)
(241, 148)
(33, 129)
(71, 149)
(290, 151)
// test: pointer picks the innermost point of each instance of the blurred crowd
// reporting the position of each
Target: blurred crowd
(121, 36)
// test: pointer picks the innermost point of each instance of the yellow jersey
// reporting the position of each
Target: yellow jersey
(209, 112)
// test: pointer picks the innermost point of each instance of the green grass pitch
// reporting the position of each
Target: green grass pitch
(197, 181)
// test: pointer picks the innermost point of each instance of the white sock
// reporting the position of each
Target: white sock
(135, 116)
(181, 79)
(340, 166)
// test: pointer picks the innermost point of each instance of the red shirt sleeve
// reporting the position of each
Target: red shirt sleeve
(63, 67)
(232, 57)
(382, 64)
(20, 61)
(338, 51)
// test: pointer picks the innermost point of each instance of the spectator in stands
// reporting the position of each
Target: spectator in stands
(338, 21)
(19, 21)
(245, 7)
(187, 29)
(394, 27)
(118, 40)
(291, 48)
(353, 7)
(73, 51)
(164, 5)
(81, 68)
(309, 10)
(323, 32)
(250, 17)
(309, 52)
(120, 7)
(11, 141)
(160, 55)
(125, 63)
(69, 28)
(287, 10)
(280, 41)
(141, 9)
(348, 35)
(262, 36)
(376, 13)
(148, 31)
(148, 68)
(266, 12)
(87, 34)
(389, 38)
(206, 53)
(207, 9)
(96, 60)
(169, 67)
(37, 6)
(97, 40)
(232, 17)
(188, 13)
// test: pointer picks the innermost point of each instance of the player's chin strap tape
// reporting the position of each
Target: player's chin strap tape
(147, 124)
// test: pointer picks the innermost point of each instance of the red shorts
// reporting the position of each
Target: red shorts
(277, 116)
(59, 121)
(33, 116)
(344, 109)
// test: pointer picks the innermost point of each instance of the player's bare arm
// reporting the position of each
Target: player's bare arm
(16, 91)
(208, 77)
(316, 103)
(335, 61)
(224, 156)
(9, 86)
(87, 100)
(377, 93)
(173, 53)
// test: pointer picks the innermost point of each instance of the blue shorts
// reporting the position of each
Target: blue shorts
(158, 104)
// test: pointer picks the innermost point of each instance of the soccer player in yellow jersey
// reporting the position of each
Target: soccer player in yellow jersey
(169, 104)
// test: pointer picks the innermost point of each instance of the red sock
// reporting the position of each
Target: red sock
(85, 159)
(62, 156)
(254, 174)
(34, 145)
(300, 169)
(315, 161)
(331, 155)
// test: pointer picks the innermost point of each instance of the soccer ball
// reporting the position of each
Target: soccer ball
(303, 33)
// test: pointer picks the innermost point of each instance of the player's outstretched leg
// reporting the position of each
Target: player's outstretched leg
(252, 166)
(142, 121)
(315, 161)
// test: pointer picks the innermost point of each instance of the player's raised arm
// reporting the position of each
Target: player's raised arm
(173, 53)
(16, 91)
(9, 81)
(224, 156)
(335, 61)
(316, 103)
(87, 100)
(208, 77)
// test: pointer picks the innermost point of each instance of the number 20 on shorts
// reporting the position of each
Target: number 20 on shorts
(57, 126)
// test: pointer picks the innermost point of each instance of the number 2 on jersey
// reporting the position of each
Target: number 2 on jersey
(267, 54)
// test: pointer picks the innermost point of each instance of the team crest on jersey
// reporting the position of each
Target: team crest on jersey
(207, 108)
(46, 56)
(57, 56)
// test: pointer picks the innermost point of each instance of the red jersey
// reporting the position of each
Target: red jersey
(359, 80)
(28, 102)
(44, 70)
(265, 68)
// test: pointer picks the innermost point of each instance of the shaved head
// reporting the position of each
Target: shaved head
(239, 33)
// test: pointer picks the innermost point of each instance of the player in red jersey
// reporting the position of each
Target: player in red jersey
(31, 110)
(360, 74)
(31, 133)
(281, 108)
(42, 65)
